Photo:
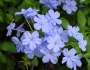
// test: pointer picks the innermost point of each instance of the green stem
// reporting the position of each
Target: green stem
(29, 25)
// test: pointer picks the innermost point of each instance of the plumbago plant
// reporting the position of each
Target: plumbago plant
(56, 35)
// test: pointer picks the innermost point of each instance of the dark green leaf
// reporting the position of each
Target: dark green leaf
(81, 19)
(7, 0)
(2, 57)
(87, 1)
(8, 46)
(89, 21)
(86, 11)
(44, 9)
(65, 23)
(1, 3)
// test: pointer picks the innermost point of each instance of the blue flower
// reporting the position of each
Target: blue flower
(31, 53)
(31, 40)
(49, 55)
(69, 6)
(10, 28)
(63, 34)
(29, 13)
(71, 59)
(54, 43)
(82, 43)
(50, 3)
(19, 30)
(41, 23)
(19, 46)
(72, 31)
(53, 17)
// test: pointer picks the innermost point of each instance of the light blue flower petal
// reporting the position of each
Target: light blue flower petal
(35, 34)
(56, 53)
(15, 40)
(64, 60)
(53, 59)
(72, 52)
(58, 21)
(25, 41)
(36, 19)
(32, 45)
(37, 26)
(69, 64)
(44, 51)
(50, 46)
(65, 52)
(31, 55)
(46, 58)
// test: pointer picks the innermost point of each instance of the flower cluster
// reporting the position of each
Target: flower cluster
(68, 5)
(53, 42)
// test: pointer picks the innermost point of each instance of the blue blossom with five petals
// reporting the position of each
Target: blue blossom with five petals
(69, 6)
(49, 55)
(72, 31)
(41, 23)
(53, 17)
(54, 43)
(71, 59)
(31, 40)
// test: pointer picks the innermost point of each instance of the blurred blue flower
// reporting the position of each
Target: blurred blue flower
(71, 59)
(10, 28)
(49, 3)
(55, 43)
(19, 46)
(19, 30)
(63, 34)
(72, 31)
(53, 17)
(82, 43)
(49, 55)
(69, 6)
(31, 40)
(41, 23)
(31, 53)
(29, 13)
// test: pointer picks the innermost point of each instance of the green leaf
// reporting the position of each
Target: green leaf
(88, 66)
(29, 1)
(2, 57)
(44, 9)
(87, 55)
(35, 61)
(89, 21)
(87, 1)
(88, 61)
(1, 18)
(81, 19)
(1, 3)
(11, 10)
(86, 10)
(18, 18)
(88, 46)
(7, 0)
(8, 46)
(65, 23)
(9, 17)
